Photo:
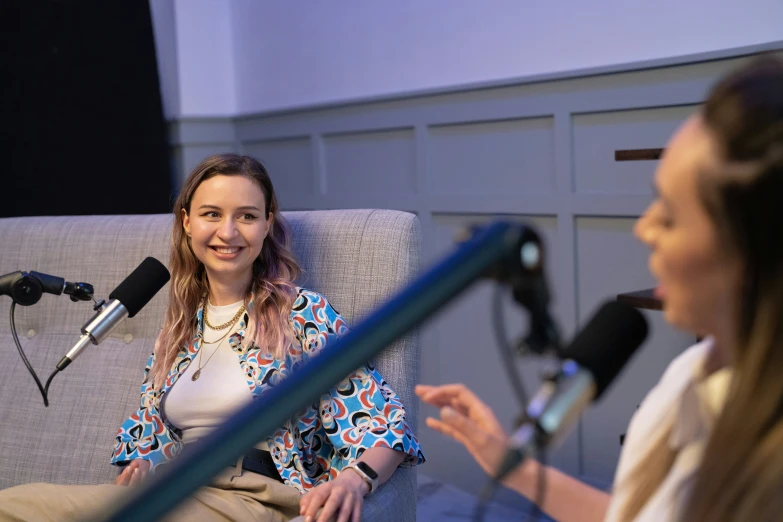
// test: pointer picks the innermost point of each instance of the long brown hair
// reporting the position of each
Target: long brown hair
(740, 477)
(272, 287)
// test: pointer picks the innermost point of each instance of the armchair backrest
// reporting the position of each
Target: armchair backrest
(356, 258)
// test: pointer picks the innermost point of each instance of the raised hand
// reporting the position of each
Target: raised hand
(468, 420)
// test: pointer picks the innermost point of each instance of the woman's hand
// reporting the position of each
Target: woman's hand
(466, 419)
(133, 473)
(342, 497)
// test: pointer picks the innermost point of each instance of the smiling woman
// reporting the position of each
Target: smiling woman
(236, 324)
(227, 224)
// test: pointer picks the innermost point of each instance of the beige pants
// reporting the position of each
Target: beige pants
(232, 496)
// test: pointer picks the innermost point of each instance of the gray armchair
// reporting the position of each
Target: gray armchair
(356, 258)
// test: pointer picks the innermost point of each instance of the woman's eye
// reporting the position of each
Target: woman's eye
(664, 219)
(211, 214)
(249, 217)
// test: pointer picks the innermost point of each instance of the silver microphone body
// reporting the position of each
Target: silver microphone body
(100, 326)
(96, 330)
(552, 414)
(557, 405)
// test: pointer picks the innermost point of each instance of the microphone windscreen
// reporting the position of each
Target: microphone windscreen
(141, 285)
(605, 345)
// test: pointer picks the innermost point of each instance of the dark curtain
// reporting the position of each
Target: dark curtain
(83, 130)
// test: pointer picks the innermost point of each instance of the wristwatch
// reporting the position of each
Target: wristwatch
(366, 472)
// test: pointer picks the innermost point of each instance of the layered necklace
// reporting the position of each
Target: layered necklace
(228, 324)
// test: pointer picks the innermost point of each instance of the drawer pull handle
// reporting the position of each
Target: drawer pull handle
(637, 154)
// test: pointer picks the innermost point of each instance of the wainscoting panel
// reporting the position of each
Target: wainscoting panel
(504, 157)
(372, 162)
(599, 136)
(291, 164)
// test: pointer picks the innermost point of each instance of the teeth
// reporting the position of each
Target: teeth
(232, 250)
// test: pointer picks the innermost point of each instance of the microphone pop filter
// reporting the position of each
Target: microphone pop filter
(141, 285)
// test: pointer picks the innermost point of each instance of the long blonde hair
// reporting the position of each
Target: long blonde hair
(272, 288)
(740, 477)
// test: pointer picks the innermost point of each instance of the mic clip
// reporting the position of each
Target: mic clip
(79, 291)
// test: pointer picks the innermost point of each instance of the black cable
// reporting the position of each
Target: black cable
(508, 353)
(506, 349)
(24, 358)
(535, 508)
(484, 497)
(49, 381)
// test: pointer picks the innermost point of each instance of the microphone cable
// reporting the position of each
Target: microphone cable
(44, 389)
(508, 353)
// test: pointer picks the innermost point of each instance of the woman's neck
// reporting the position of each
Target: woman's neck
(228, 292)
(721, 354)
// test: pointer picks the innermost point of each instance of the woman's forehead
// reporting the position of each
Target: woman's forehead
(690, 151)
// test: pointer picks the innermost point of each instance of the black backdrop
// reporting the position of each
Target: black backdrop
(82, 128)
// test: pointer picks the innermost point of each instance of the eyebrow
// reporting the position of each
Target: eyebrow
(215, 207)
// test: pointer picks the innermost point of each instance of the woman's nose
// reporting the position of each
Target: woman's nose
(643, 230)
(227, 230)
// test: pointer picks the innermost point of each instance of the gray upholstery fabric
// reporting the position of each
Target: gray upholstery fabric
(356, 258)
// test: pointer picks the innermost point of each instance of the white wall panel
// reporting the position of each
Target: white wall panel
(380, 162)
(290, 165)
(503, 157)
(597, 136)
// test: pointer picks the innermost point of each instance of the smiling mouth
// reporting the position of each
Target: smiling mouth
(226, 250)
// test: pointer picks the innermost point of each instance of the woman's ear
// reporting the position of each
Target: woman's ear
(185, 222)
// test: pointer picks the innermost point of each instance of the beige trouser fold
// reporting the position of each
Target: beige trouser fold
(233, 495)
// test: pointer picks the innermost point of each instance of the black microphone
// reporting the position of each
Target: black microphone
(590, 364)
(26, 288)
(125, 301)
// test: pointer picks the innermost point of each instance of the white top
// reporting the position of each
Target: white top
(198, 407)
(687, 402)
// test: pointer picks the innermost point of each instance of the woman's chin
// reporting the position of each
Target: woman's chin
(223, 269)
(679, 321)
(673, 318)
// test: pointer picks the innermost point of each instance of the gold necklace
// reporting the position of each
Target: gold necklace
(230, 324)
(227, 323)
(204, 341)
(197, 373)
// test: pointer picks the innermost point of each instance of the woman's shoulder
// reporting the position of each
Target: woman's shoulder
(661, 400)
(307, 298)
(654, 415)
(309, 301)
(687, 365)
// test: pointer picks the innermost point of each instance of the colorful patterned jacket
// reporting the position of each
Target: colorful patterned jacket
(359, 413)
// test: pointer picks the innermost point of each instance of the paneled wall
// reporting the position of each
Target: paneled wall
(542, 153)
